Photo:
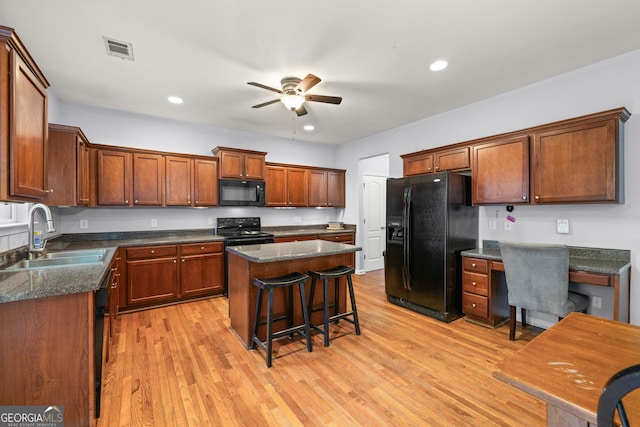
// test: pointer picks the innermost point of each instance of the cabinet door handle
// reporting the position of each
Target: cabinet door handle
(473, 283)
(473, 305)
(202, 248)
(49, 191)
(153, 251)
(473, 265)
(175, 261)
(524, 197)
(182, 259)
(537, 197)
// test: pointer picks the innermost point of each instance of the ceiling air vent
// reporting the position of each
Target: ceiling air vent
(118, 49)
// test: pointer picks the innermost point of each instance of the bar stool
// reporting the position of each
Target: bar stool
(324, 275)
(269, 285)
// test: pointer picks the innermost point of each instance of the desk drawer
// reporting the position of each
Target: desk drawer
(475, 265)
(475, 305)
(475, 283)
(590, 278)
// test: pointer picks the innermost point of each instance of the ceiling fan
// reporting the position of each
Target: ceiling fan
(294, 93)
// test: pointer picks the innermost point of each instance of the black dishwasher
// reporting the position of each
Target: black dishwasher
(101, 298)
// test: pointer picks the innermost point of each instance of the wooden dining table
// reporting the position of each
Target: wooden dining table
(568, 365)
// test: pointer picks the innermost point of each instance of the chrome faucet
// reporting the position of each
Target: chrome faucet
(50, 229)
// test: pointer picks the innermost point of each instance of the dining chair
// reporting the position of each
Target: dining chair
(538, 280)
(618, 386)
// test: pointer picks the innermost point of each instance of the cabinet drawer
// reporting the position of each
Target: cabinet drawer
(146, 252)
(475, 265)
(345, 237)
(590, 278)
(475, 305)
(201, 248)
(475, 283)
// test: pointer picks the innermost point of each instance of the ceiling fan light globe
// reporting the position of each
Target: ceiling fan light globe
(292, 102)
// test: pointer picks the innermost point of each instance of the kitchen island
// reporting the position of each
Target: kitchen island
(277, 259)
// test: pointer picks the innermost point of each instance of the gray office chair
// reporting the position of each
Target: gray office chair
(538, 279)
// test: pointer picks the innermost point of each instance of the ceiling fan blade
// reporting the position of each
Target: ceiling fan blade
(323, 98)
(301, 111)
(265, 87)
(307, 83)
(264, 104)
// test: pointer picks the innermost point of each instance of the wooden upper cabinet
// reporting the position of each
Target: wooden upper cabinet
(205, 182)
(501, 172)
(437, 160)
(286, 186)
(336, 189)
(417, 163)
(276, 186)
(297, 187)
(318, 188)
(114, 172)
(23, 123)
(327, 188)
(578, 163)
(240, 164)
(68, 174)
(148, 179)
(454, 159)
(178, 180)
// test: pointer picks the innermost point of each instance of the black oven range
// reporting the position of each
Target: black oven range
(242, 231)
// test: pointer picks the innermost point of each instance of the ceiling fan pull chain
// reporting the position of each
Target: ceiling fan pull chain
(293, 127)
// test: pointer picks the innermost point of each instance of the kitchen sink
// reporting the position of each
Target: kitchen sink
(76, 253)
(68, 260)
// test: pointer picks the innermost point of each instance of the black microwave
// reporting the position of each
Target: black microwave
(238, 192)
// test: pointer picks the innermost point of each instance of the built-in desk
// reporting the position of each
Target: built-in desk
(592, 271)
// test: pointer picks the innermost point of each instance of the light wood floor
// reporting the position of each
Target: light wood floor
(182, 366)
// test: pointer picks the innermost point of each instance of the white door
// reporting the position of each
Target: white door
(374, 211)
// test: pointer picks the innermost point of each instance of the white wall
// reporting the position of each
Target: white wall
(602, 86)
(111, 127)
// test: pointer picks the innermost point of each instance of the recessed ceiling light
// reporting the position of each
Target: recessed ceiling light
(175, 100)
(308, 127)
(438, 65)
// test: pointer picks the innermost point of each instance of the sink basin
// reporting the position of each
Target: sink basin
(58, 261)
(77, 253)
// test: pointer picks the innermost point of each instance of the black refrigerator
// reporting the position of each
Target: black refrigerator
(430, 220)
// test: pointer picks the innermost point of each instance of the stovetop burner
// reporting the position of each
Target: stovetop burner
(244, 228)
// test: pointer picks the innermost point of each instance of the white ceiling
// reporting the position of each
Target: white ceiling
(373, 53)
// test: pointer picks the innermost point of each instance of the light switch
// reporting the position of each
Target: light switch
(562, 226)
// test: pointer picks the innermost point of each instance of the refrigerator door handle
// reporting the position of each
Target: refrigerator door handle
(406, 239)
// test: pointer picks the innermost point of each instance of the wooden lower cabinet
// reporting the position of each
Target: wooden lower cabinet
(484, 294)
(170, 273)
(152, 274)
(201, 269)
(47, 356)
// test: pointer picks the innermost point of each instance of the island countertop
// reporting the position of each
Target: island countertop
(273, 252)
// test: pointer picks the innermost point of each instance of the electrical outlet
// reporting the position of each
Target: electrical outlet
(508, 225)
(210, 221)
(596, 301)
(492, 224)
(297, 219)
(562, 226)
(154, 222)
(84, 223)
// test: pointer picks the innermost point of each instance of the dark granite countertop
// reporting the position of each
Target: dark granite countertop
(592, 260)
(53, 281)
(274, 252)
